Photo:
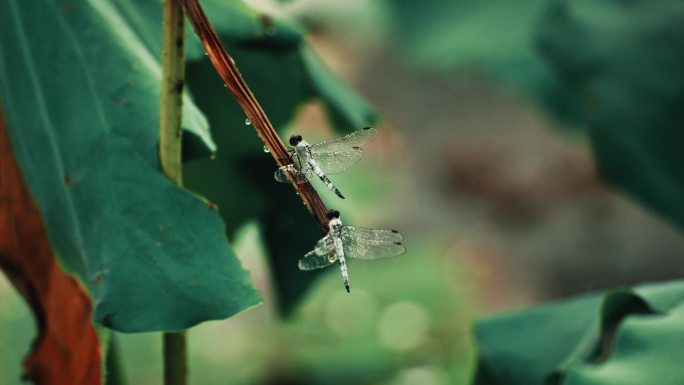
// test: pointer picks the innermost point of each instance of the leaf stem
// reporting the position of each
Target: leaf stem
(173, 78)
(225, 67)
(175, 359)
(170, 114)
(114, 372)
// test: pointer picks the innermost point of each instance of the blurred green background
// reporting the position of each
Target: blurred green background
(500, 125)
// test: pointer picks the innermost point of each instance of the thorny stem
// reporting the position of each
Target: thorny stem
(170, 114)
(225, 66)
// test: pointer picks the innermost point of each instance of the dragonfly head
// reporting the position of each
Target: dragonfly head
(333, 214)
(295, 139)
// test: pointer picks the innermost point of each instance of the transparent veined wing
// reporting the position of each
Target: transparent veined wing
(338, 154)
(355, 139)
(337, 162)
(363, 243)
(321, 256)
(311, 261)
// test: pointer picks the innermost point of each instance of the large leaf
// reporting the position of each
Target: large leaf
(522, 348)
(61, 307)
(647, 350)
(81, 95)
(621, 57)
(550, 344)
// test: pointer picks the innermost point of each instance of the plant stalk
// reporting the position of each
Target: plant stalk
(170, 114)
(114, 373)
(225, 67)
(175, 359)
(173, 80)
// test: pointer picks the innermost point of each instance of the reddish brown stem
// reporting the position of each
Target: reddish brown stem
(225, 66)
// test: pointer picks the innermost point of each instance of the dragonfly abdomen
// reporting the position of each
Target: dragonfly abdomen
(335, 231)
(345, 274)
(324, 178)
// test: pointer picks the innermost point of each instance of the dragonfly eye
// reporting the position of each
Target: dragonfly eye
(295, 139)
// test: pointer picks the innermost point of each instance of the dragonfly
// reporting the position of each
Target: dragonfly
(328, 157)
(353, 242)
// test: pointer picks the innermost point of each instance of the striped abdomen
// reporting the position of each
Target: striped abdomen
(339, 250)
(324, 178)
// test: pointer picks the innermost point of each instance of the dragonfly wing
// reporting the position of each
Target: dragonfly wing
(337, 162)
(321, 256)
(338, 154)
(324, 246)
(363, 243)
(311, 261)
(373, 235)
(355, 139)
